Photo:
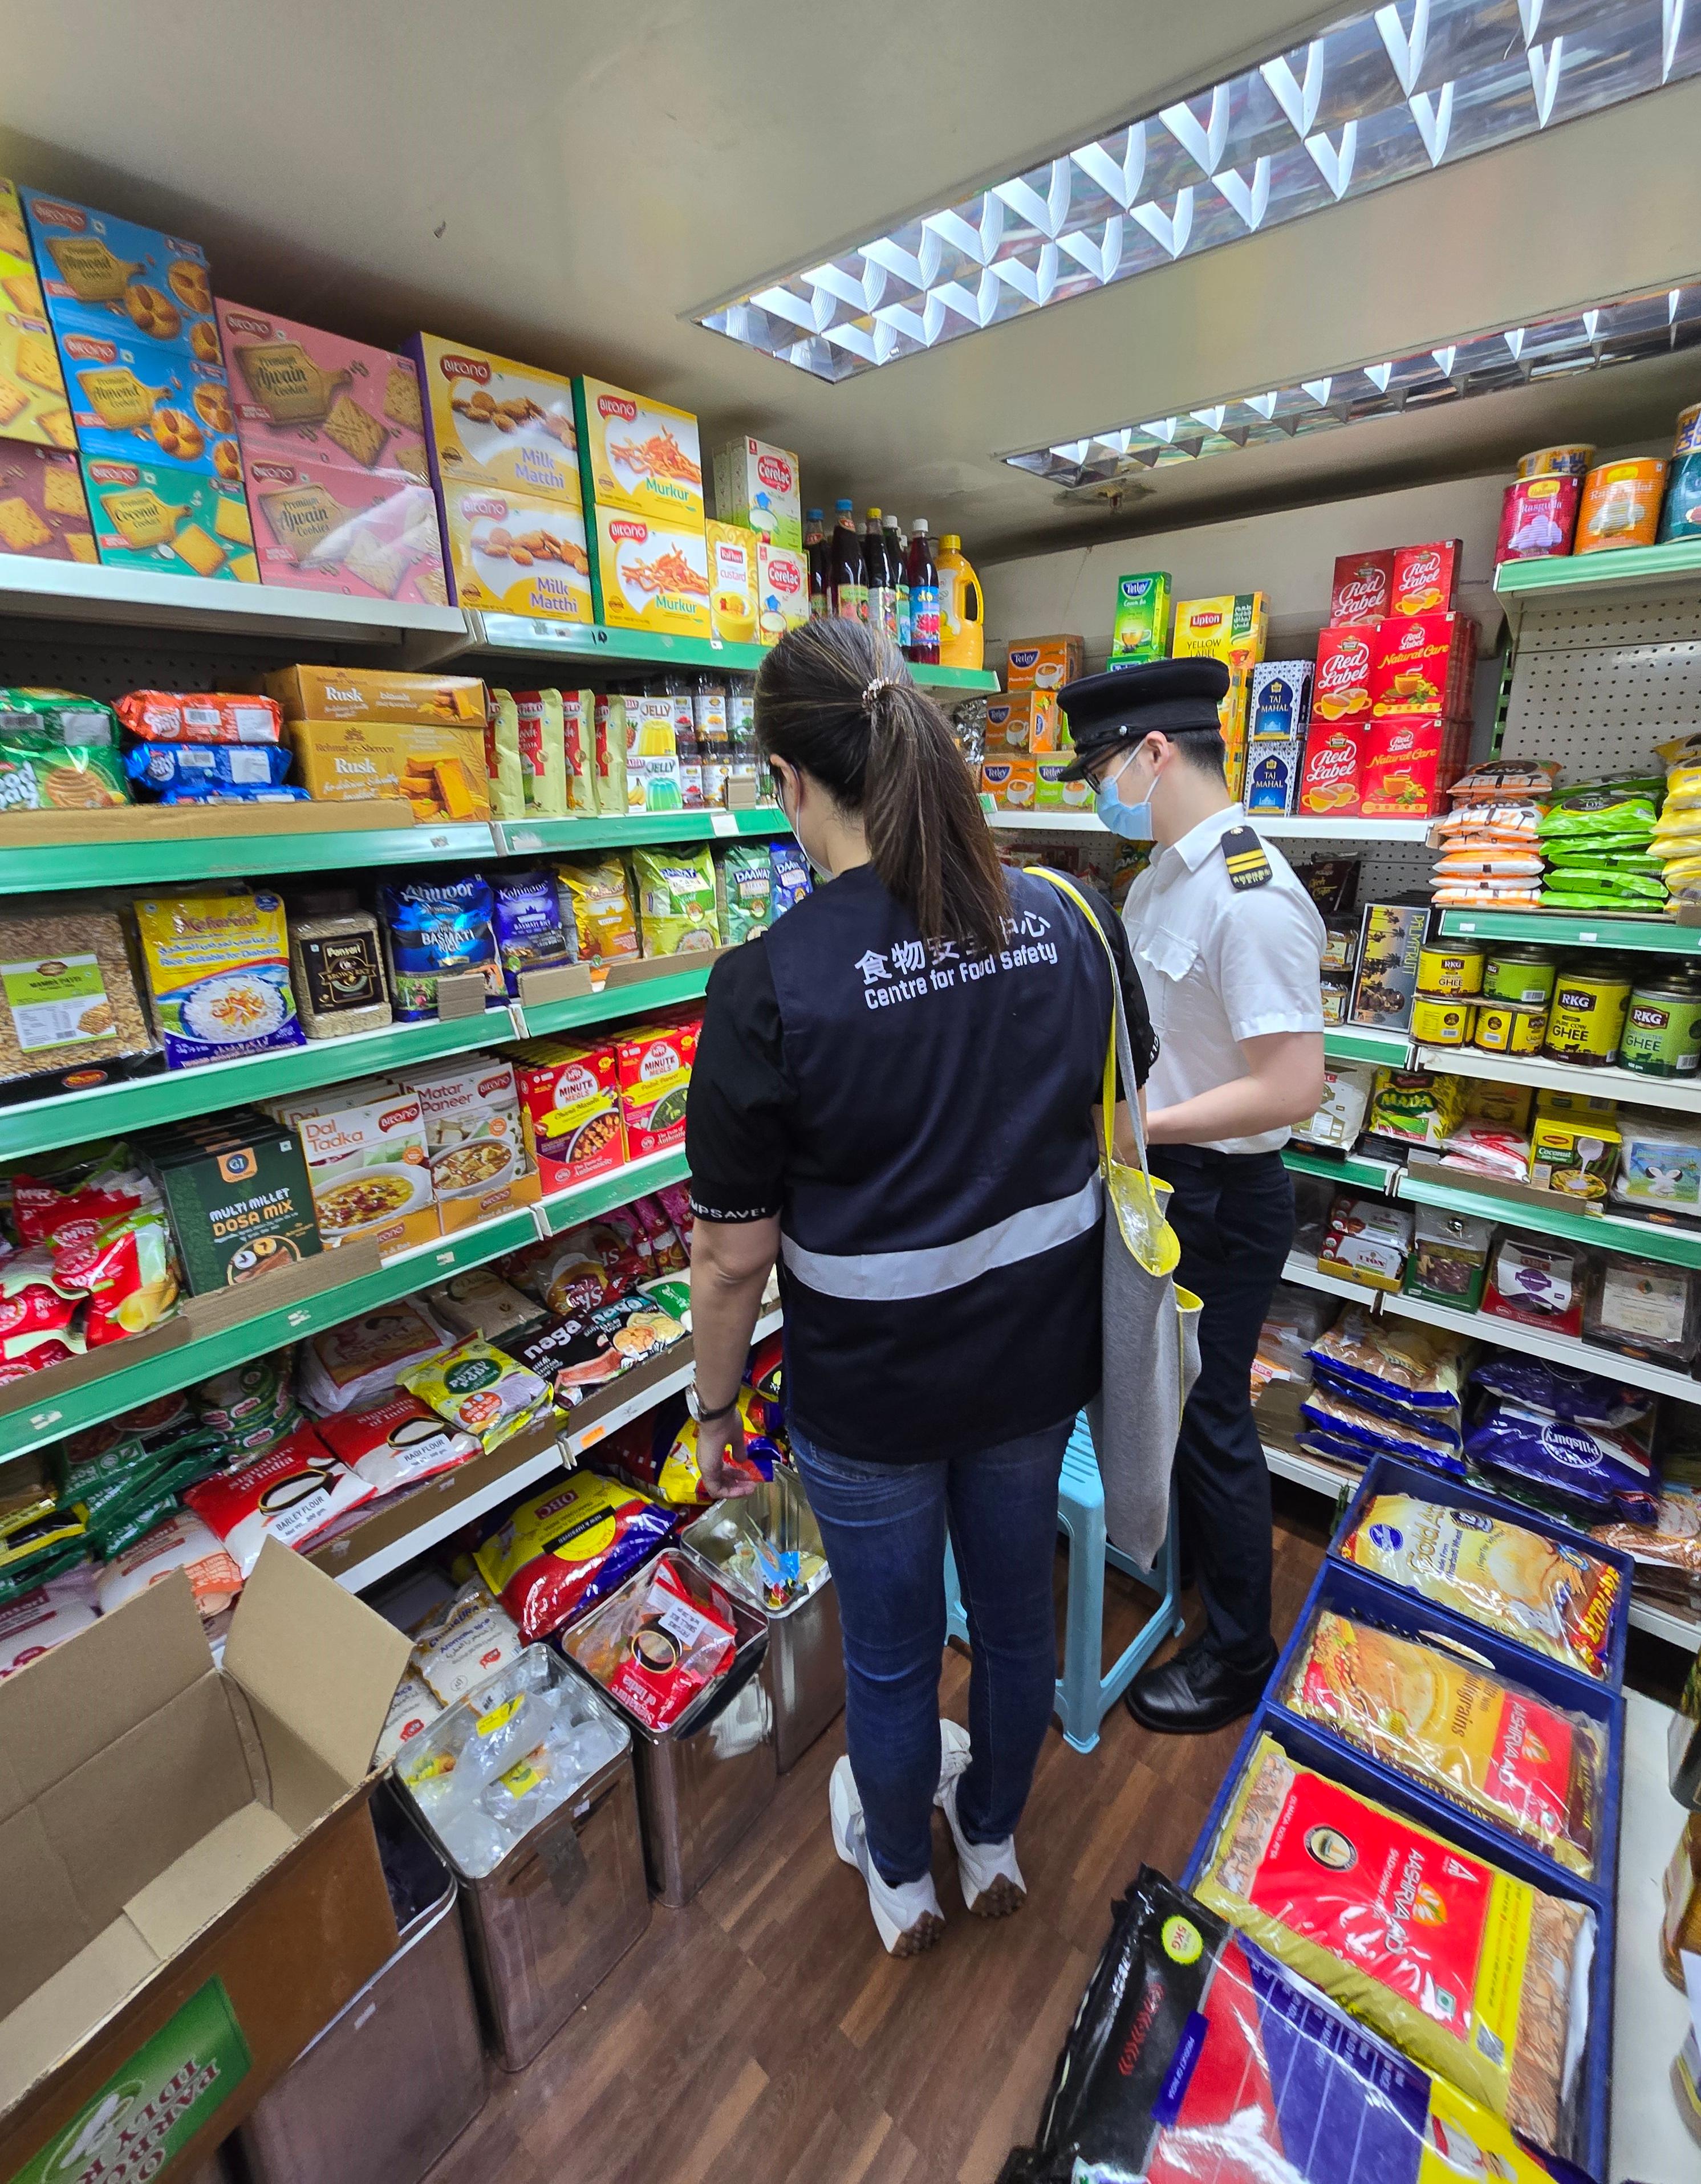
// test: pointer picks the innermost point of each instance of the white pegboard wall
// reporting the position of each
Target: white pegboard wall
(98, 664)
(1597, 683)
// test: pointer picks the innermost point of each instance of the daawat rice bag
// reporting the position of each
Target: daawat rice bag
(1535, 1590)
(1475, 1974)
(1499, 1753)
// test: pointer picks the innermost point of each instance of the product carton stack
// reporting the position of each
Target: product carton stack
(1028, 743)
(641, 469)
(504, 461)
(1391, 704)
(1234, 628)
(42, 512)
(359, 733)
(759, 579)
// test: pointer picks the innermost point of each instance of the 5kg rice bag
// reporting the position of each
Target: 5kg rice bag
(1498, 1751)
(596, 904)
(529, 935)
(463, 1643)
(1473, 1974)
(396, 1443)
(676, 900)
(481, 1389)
(292, 1496)
(436, 929)
(563, 1550)
(1542, 1593)
(743, 891)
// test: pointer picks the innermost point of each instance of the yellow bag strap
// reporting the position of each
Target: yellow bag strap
(1117, 1020)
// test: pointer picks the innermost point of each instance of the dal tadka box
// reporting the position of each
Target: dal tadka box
(190, 1887)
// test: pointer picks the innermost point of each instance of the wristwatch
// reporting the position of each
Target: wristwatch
(693, 1403)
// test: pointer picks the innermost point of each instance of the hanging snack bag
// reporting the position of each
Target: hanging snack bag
(1473, 1974)
(128, 1270)
(293, 1496)
(561, 1551)
(1555, 1598)
(1499, 1753)
(480, 1389)
(396, 1443)
(667, 1252)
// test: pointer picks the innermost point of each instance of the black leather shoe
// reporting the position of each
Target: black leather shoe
(1194, 1692)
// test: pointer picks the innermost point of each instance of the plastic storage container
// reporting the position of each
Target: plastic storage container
(705, 1782)
(399, 2073)
(551, 1921)
(804, 1670)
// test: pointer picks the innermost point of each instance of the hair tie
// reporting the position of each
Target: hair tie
(872, 690)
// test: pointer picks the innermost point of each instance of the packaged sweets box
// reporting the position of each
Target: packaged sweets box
(324, 527)
(32, 393)
(115, 279)
(238, 1199)
(439, 769)
(648, 575)
(639, 454)
(516, 553)
(495, 422)
(154, 515)
(303, 396)
(377, 693)
(43, 510)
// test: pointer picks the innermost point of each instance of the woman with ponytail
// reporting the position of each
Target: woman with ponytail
(897, 1096)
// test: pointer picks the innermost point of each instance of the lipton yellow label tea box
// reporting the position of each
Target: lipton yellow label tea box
(495, 422)
(639, 454)
(522, 553)
(650, 575)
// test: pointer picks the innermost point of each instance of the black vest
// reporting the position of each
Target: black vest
(942, 1229)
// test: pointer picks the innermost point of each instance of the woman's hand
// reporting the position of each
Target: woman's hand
(720, 1459)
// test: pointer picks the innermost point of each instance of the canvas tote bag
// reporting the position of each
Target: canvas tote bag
(1151, 1325)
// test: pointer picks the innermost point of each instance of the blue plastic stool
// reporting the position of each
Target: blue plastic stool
(1085, 1695)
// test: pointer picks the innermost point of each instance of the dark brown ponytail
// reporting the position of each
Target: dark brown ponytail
(835, 698)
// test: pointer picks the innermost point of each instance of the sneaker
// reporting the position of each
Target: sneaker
(907, 1917)
(953, 1757)
(992, 1883)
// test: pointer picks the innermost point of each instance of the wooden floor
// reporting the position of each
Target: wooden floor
(763, 2036)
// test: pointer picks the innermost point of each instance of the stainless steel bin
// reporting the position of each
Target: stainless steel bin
(545, 1926)
(705, 1782)
(399, 2073)
(804, 1670)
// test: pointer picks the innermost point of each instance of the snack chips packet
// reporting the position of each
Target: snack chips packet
(561, 1551)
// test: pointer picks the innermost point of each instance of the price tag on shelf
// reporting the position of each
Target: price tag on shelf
(723, 823)
(1588, 939)
(525, 840)
(40, 1420)
(299, 1318)
(437, 842)
(443, 1258)
(579, 1442)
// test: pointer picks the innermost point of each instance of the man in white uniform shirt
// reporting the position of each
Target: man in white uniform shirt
(1230, 947)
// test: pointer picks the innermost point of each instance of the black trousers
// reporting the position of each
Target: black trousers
(1233, 1214)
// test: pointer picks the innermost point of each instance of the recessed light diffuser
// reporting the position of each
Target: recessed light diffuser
(1580, 341)
(1377, 97)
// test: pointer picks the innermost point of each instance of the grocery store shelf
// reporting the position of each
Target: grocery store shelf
(1566, 1077)
(1671, 1625)
(574, 640)
(576, 1440)
(71, 591)
(1058, 821)
(609, 1006)
(531, 837)
(1605, 1231)
(234, 856)
(1277, 825)
(123, 1385)
(1302, 1268)
(1621, 569)
(1305, 1471)
(1389, 1050)
(1562, 1349)
(1557, 928)
(1370, 1174)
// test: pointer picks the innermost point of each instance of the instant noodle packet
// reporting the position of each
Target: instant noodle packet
(1476, 1975)
(1542, 1593)
(1499, 1753)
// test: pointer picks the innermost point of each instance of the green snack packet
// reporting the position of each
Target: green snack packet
(57, 716)
(37, 775)
(1619, 806)
(743, 891)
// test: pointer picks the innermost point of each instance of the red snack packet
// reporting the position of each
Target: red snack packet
(292, 1496)
(677, 1645)
(205, 716)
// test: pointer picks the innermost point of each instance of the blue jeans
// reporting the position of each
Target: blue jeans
(883, 1525)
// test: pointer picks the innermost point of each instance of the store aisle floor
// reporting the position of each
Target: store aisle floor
(762, 2036)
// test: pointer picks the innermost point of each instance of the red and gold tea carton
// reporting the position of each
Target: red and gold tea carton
(1422, 664)
(1409, 763)
(570, 1110)
(1331, 779)
(1361, 588)
(1340, 690)
(1425, 579)
(653, 1062)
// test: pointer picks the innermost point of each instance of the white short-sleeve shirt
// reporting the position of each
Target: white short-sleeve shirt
(1220, 965)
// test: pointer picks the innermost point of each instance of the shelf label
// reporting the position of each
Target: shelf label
(437, 842)
(1586, 937)
(722, 822)
(443, 1258)
(299, 1318)
(523, 838)
(591, 1434)
(40, 1420)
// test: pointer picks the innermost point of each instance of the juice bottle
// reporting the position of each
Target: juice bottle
(848, 571)
(883, 579)
(819, 554)
(924, 632)
(676, 688)
(961, 637)
(898, 562)
(709, 716)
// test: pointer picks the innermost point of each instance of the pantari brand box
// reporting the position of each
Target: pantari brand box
(639, 454)
(191, 1889)
(757, 487)
(647, 576)
(239, 1201)
(653, 1062)
(570, 1110)
(1044, 663)
(782, 591)
(154, 515)
(42, 511)
(1340, 690)
(732, 552)
(370, 535)
(1359, 592)
(495, 422)
(522, 553)
(377, 693)
(32, 393)
(306, 396)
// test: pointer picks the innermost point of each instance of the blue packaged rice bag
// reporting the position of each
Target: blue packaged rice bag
(436, 929)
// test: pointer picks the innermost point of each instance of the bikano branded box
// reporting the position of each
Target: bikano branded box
(639, 454)
(495, 422)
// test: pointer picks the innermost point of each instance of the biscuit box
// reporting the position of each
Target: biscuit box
(370, 535)
(439, 769)
(756, 486)
(522, 553)
(732, 552)
(1421, 664)
(377, 693)
(652, 1064)
(1331, 778)
(1022, 720)
(782, 591)
(1280, 703)
(1273, 774)
(648, 575)
(570, 1110)
(139, 405)
(103, 275)
(32, 393)
(42, 511)
(183, 523)
(1044, 663)
(1425, 578)
(495, 422)
(1341, 689)
(638, 454)
(1361, 587)
(304, 396)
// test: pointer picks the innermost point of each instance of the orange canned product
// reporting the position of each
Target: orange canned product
(1621, 504)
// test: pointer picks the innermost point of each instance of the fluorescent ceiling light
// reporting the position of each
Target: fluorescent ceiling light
(1516, 356)
(1377, 97)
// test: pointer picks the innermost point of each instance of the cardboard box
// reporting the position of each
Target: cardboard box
(782, 591)
(190, 1887)
(377, 693)
(1361, 588)
(176, 522)
(1331, 779)
(110, 277)
(570, 1110)
(238, 1198)
(367, 1161)
(648, 575)
(1425, 578)
(653, 1063)
(1022, 720)
(440, 769)
(523, 553)
(33, 408)
(475, 1141)
(129, 401)
(366, 535)
(43, 515)
(1010, 781)
(493, 422)
(731, 555)
(1141, 629)
(1279, 701)
(1232, 627)
(1407, 770)
(1340, 690)
(757, 486)
(638, 454)
(1044, 663)
(302, 395)
(1052, 793)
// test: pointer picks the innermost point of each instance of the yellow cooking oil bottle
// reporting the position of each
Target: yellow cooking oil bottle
(962, 631)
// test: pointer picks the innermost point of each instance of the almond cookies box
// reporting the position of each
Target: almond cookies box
(495, 422)
(511, 552)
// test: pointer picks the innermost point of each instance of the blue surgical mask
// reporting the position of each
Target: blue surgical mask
(1131, 821)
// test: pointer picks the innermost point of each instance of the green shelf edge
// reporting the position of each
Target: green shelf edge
(637, 999)
(1606, 1232)
(1582, 572)
(1389, 1050)
(518, 634)
(551, 838)
(234, 856)
(1367, 1175)
(25, 1430)
(1551, 928)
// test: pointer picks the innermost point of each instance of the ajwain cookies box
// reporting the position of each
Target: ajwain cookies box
(32, 393)
(308, 398)
(324, 529)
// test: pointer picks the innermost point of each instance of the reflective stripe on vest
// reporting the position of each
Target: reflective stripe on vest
(883, 1277)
